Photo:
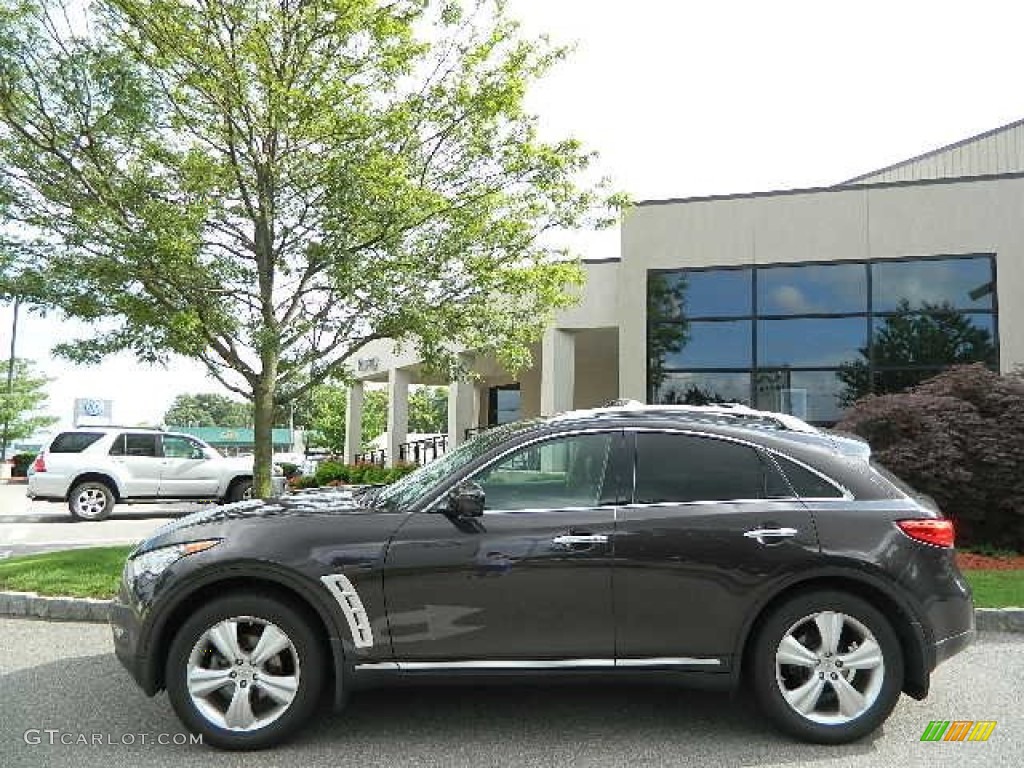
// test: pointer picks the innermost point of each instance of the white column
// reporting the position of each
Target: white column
(557, 372)
(398, 412)
(461, 408)
(353, 421)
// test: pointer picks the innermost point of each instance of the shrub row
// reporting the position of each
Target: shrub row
(959, 438)
(338, 473)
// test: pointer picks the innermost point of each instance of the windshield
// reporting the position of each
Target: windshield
(412, 487)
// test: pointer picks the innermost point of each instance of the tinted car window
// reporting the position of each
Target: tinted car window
(74, 442)
(807, 484)
(681, 468)
(557, 474)
(129, 444)
(176, 447)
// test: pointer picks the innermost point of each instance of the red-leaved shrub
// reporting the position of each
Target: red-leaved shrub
(958, 437)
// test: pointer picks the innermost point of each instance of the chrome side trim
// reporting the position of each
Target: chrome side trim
(527, 664)
(348, 598)
(670, 661)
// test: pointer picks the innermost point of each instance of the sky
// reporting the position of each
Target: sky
(684, 98)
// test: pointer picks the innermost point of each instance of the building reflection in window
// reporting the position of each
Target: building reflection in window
(809, 339)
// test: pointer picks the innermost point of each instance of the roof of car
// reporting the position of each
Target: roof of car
(726, 418)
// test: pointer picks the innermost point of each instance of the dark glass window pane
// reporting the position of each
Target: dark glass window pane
(810, 342)
(807, 484)
(702, 388)
(137, 445)
(702, 293)
(812, 289)
(696, 344)
(561, 473)
(681, 468)
(938, 338)
(959, 283)
(815, 396)
(504, 404)
(74, 442)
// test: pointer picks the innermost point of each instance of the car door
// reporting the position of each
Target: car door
(712, 526)
(186, 470)
(526, 583)
(137, 457)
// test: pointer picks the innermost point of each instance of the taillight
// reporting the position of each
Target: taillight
(39, 465)
(938, 533)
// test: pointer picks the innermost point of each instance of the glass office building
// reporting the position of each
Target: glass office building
(810, 338)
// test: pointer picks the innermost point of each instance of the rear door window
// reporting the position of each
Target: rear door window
(129, 444)
(807, 484)
(676, 468)
(74, 442)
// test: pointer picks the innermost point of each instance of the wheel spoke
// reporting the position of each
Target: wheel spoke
(805, 698)
(830, 626)
(239, 714)
(203, 682)
(851, 701)
(271, 643)
(224, 637)
(867, 656)
(281, 688)
(792, 651)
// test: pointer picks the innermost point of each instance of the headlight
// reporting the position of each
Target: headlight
(156, 561)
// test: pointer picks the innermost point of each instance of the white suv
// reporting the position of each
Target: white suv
(94, 468)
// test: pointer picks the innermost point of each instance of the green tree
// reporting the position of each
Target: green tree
(268, 185)
(667, 330)
(909, 347)
(327, 416)
(20, 415)
(428, 410)
(208, 410)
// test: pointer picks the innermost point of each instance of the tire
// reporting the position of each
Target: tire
(240, 490)
(91, 500)
(228, 716)
(859, 674)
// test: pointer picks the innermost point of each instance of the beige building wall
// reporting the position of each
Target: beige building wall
(870, 222)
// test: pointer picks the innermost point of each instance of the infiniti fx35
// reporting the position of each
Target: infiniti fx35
(715, 548)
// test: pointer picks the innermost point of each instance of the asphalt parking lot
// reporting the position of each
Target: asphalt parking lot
(63, 677)
(28, 526)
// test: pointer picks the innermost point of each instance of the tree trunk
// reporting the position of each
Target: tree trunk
(263, 423)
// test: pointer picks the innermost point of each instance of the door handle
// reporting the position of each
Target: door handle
(761, 534)
(576, 539)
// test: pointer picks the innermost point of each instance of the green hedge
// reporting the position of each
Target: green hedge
(337, 473)
(20, 463)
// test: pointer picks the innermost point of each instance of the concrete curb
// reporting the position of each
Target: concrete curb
(29, 605)
(33, 606)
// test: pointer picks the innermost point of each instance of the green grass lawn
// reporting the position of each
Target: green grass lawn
(92, 572)
(95, 572)
(997, 589)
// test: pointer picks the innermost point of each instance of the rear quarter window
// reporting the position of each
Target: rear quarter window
(73, 442)
(807, 484)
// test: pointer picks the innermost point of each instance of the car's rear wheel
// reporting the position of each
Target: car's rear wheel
(245, 671)
(827, 667)
(241, 490)
(91, 500)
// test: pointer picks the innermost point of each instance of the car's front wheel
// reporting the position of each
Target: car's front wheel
(91, 500)
(245, 671)
(827, 667)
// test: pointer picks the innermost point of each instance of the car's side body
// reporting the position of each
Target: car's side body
(618, 586)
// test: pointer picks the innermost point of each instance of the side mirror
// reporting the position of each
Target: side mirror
(466, 500)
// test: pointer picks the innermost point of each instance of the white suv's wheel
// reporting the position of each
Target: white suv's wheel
(91, 500)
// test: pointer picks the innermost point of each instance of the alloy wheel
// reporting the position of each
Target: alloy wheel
(243, 673)
(90, 502)
(829, 668)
